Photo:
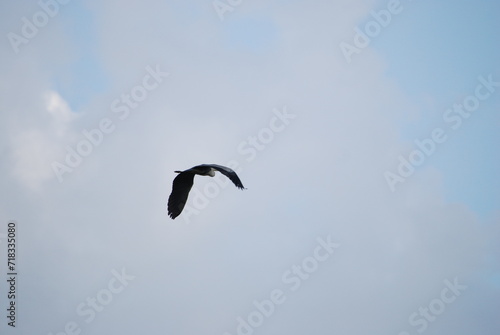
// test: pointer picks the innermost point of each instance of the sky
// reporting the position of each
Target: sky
(365, 133)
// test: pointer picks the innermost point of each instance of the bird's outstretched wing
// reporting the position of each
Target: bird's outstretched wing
(228, 173)
(180, 190)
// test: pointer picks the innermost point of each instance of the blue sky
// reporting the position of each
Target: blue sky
(85, 67)
(268, 79)
(439, 50)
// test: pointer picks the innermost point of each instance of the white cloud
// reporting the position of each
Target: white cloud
(60, 112)
(35, 146)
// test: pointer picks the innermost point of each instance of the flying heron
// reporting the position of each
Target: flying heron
(184, 181)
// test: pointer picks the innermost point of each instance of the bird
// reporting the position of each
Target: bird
(184, 181)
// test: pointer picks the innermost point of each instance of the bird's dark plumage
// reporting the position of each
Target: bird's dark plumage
(184, 182)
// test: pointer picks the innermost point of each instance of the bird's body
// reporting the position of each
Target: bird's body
(184, 182)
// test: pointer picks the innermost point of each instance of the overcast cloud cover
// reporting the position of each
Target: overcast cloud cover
(366, 133)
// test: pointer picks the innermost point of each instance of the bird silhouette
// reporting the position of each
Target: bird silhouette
(183, 183)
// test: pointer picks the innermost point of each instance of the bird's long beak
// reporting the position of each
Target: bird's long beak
(177, 171)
